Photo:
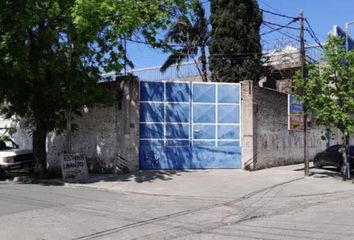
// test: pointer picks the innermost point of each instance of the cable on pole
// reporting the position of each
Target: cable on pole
(285, 34)
(284, 26)
(279, 15)
(266, 23)
(312, 33)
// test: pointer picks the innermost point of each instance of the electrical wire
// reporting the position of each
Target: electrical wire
(281, 32)
(279, 26)
(312, 33)
(264, 2)
(278, 14)
(284, 26)
(275, 27)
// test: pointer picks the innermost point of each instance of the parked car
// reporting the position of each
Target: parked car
(332, 156)
(13, 159)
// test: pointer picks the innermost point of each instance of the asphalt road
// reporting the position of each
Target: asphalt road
(280, 210)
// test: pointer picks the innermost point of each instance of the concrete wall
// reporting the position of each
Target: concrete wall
(107, 136)
(267, 142)
(110, 136)
(248, 127)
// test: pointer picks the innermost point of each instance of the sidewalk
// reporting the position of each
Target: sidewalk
(220, 184)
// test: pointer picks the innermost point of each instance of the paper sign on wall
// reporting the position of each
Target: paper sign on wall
(74, 167)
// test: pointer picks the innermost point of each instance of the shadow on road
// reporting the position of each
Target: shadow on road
(324, 172)
(301, 169)
(139, 176)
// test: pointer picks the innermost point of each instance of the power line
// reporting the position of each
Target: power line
(270, 6)
(265, 23)
(266, 11)
(314, 38)
(275, 27)
(279, 15)
(311, 58)
(284, 26)
(312, 33)
(279, 26)
(283, 33)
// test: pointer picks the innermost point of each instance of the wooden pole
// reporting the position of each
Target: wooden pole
(303, 72)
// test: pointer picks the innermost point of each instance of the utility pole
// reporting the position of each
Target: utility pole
(303, 77)
(348, 153)
(123, 43)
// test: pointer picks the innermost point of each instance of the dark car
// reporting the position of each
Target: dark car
(13, 159)
(332, 156)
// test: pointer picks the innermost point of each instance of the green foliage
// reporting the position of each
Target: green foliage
(103, 23)
(5, 134)
(190, 32)
(4, 137)
(235, 48)
(328, 91)
(52, 53)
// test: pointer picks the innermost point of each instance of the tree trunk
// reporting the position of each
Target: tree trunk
(204, 65)
(39, 152)
(345, 154)
(347, 148)
(68, 131)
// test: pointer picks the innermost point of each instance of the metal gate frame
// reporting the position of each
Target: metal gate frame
(152, 157)
(217, 104)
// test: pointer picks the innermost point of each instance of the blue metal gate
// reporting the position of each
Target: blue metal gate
(186, 125)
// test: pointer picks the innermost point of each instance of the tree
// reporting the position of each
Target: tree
(52, 53)
(328, 91)
(235, 49)
(191, 35)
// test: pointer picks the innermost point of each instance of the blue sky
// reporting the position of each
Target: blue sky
(321, 14)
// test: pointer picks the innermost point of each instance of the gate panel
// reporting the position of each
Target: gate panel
(189, 125)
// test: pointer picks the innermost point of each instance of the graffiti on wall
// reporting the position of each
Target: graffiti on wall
(151, 158)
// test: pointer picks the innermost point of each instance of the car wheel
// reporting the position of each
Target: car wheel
(2, 175)
(30, 172)
(316, 163)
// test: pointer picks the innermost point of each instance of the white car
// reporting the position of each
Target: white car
(13, 159)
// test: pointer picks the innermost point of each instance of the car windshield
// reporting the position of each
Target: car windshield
(4, 145)
(333, 148)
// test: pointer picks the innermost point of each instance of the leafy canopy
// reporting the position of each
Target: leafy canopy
(235, 48)
(190, 34)
(328, 91)
(52, 53)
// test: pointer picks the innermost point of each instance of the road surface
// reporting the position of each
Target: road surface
(270, 204)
